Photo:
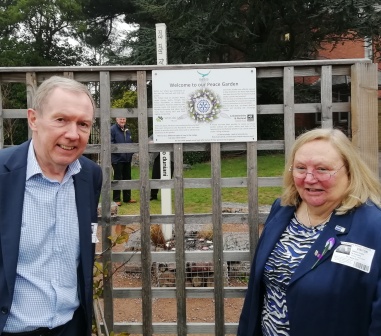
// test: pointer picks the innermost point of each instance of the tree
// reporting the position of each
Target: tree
(42, 32)
(216, 31)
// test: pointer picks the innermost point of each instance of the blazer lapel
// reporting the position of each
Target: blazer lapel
(12, 188)
(83, 202)
(273, 230)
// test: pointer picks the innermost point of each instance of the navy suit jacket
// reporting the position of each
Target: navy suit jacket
(331, 299)
(88, 183)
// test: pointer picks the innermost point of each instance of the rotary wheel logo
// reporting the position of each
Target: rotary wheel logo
(204, 105)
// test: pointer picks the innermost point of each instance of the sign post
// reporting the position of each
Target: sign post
(165, 157)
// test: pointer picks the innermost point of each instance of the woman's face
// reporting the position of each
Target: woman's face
(322, 156)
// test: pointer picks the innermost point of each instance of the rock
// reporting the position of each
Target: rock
(133, 267)
(113, 209)
(197, 281)
(239, 269)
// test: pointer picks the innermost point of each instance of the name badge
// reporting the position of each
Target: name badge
(354, 255)
(94, 238)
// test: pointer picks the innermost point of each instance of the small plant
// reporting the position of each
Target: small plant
(101, 271)
(206, 232)
(192, 158)
(157, 236)
(244, 279)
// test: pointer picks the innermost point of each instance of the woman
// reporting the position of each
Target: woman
(317, 267)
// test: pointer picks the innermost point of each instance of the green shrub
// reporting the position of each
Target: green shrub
(196, 157)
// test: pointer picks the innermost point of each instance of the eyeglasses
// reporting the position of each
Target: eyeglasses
(319, 174)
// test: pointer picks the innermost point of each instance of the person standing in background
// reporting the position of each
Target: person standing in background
(121, 162)
(49, 196)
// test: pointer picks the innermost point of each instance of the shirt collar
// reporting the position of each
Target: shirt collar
(33, 168)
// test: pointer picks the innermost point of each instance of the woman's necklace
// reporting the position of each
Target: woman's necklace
(324, 221)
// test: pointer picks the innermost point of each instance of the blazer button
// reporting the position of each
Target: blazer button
(4, 310)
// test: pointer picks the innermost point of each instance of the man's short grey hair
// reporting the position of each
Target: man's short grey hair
(47, 87)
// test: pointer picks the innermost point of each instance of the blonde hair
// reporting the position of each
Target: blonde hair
(363, 184)
(48, 85)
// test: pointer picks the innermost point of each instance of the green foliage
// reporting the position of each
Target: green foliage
(106, 9)
(38, 13)
(39, 32)
(16, 53)
(196, 157)
(233, 31)
(199, 31)
(270, 127)
(129, 99)
(15, 130)
(13, 95)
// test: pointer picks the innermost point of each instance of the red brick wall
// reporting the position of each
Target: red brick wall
(347, 49)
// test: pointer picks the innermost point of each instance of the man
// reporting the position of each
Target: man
(121, 162)
(49, 195)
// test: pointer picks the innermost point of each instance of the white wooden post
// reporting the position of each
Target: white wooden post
(165, 157)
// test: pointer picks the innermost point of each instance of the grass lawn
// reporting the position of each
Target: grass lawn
(200, 200)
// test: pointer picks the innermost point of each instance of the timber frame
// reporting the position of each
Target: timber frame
(364, 129)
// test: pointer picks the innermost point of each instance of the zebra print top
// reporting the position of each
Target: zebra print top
(288, 252)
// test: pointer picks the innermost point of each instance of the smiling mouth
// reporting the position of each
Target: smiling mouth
(313, 190)
(66, 147)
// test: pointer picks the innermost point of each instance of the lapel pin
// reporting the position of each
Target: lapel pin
(328, 246)
(340, 228)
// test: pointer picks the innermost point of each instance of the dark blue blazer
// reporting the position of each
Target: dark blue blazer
(119, 136)
(330, 299)
(88, 183)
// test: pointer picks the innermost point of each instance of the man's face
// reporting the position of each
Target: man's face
(61, 130)
(121, 122)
